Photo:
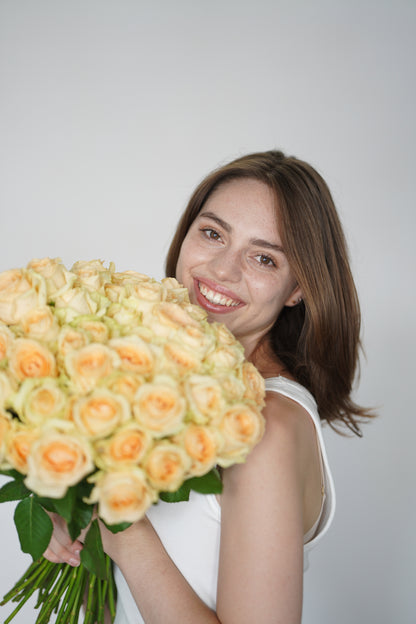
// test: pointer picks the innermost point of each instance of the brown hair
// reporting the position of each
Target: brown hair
(317, 340)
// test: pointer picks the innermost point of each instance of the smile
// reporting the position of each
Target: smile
(217, 298)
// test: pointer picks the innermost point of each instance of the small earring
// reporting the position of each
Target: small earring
(299, 300)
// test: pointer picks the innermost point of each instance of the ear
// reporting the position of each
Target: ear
(295, 297)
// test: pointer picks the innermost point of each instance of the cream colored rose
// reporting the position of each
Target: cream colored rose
(166, 466)
(223, 335)
(7, 387)
(175, 292)
(122, 496)
(202, 445)
(6, 339)
(4, 429)
(159, 407)
(242, 427)
(77, 302)
(205, 397)
(19, 441)
(57, 278)
(92, 274)
(167, 317)
(40, 324)
(56, 461)
(125, 447)
(254, 384)
(124, 383)
(100, 413)
(129, 277)
(232, 387)
(125, 315)
(29, 358)
(197, 313)
(225, 357)
(97, 330)
(38, 400)
(20, 291)
(90, 364)
(198, 339)
(135, 355)
(178, 359)
(70, 339)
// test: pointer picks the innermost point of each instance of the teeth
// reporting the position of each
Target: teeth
(216, 298)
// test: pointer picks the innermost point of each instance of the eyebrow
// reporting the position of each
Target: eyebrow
(254, 241)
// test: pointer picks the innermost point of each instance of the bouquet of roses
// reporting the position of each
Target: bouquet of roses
(114, 391)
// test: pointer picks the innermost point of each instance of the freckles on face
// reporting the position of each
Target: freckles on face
(232, 260)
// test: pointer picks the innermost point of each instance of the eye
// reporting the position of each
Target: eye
(210, 233)
(264, 260)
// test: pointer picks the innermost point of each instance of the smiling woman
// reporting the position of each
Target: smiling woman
(261, 249)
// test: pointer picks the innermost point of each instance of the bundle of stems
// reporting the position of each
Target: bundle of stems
(64, 590)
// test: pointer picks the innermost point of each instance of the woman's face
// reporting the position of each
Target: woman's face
(233, 264)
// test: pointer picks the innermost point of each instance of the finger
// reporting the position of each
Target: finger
(57, 553)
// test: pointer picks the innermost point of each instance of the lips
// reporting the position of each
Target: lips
(215, 298)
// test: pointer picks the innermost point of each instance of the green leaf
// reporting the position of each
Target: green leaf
(182, 494)
(34, 527)
(92, 555)
(18, 476)
(116, 528)
(13, 490)
(65, 506)
(81, 518)
(209, 483)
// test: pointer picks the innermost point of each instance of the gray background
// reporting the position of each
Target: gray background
(110, 114)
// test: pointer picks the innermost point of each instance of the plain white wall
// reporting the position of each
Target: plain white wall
(111, 112)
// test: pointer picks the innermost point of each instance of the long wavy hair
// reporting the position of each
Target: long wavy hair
(318, 340)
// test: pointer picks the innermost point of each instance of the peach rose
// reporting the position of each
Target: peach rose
(19, 441)
(126, 446)
(57, 278)
(40, 324)
(202, 445)
(159, 407)
(100, 413)
(122, 496)
(38, 400)
(90, 364)
(29, 358)
(56, 461)
(205, 396)
(135, 355)
(166, 466)
(254, 384)
(242, 427)
(19, 293)
(6, 339)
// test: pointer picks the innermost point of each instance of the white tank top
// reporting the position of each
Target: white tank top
(190, 531)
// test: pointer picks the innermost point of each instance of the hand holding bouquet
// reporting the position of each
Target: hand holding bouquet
(114, 391)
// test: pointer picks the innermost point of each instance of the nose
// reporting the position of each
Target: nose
(226, 266)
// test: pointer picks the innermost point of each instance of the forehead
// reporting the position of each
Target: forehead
(246, 202)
